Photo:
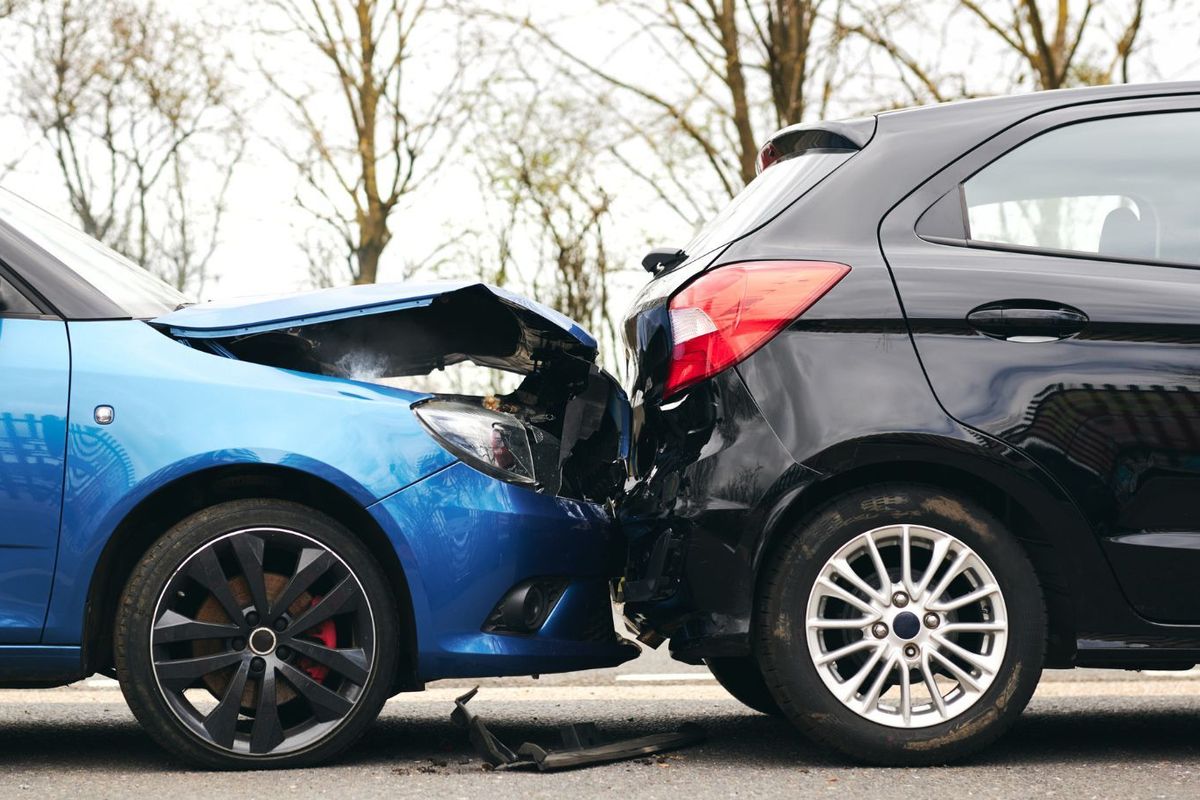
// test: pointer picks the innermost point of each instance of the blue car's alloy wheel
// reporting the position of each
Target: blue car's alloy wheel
(271, 642)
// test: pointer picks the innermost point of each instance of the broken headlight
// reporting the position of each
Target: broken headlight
(495, 443)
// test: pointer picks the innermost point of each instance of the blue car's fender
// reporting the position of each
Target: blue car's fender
(179, 411)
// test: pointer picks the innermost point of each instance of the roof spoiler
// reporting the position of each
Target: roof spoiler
(815, 137)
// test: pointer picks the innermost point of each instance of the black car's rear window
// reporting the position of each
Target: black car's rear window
(764, 197)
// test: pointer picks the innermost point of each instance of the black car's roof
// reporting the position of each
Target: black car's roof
(1021, 105)
(946, 126)
(909, 145)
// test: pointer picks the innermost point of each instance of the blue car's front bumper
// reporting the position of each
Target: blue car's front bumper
(464, 539)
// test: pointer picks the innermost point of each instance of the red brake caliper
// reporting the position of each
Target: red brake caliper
(325, 634)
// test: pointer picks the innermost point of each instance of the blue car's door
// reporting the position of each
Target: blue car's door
(34, 375)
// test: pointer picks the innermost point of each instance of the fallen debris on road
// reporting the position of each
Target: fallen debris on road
(581, 746)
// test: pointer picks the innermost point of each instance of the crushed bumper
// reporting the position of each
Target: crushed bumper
(698, 521)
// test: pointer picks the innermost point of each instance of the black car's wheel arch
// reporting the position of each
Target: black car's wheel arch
(1043, 547)
(175, 501)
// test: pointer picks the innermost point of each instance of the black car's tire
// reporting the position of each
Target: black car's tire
(305, 670)
(742, 678)
(799, 613)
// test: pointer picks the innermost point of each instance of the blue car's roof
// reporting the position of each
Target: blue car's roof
(259, 314)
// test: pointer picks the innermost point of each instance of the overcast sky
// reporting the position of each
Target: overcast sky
(258, 253)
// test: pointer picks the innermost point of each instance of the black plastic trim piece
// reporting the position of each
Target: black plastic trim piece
(944, 222)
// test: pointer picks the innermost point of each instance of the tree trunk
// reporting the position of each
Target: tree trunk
(736, 81)
(368, 254)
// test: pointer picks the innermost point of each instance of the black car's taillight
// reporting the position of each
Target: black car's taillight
(726, 314)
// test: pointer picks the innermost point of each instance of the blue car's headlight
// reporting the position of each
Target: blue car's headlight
(493, 442)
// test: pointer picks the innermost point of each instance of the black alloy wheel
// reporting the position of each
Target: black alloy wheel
(257, 633)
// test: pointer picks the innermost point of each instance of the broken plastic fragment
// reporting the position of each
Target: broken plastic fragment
(582, 746)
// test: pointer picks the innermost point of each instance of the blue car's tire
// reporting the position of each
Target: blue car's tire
(257, 634)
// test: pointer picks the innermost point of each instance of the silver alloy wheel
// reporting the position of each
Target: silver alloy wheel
(906, 626)
(263, 642)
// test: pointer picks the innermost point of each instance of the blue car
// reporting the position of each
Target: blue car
(237, 511)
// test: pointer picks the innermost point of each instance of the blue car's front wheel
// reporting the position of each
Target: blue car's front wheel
(257, 633)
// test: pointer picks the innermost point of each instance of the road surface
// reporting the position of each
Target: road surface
(1086, 734)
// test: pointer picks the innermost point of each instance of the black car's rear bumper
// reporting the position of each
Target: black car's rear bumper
(695, 522)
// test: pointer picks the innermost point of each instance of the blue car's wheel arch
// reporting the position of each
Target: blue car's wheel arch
(172, 502)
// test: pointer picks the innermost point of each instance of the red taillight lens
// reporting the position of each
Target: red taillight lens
(725, 315)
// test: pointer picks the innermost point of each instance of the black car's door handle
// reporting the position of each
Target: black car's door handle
(1027, 320)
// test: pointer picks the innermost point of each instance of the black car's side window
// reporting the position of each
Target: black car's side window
(1120, 187)
(13, 303)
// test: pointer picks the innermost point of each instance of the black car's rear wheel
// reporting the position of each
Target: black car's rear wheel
(901, 625)
(741, 677)
(257, 633)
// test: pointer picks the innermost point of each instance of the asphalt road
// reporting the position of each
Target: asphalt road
(1086, 734)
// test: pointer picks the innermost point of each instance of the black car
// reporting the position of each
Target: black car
(919, 415)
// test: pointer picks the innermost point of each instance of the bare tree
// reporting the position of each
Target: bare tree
(541, 161)
(1050, 43)
(1055, 43)
(376, 126)
(888, 27)
(738, 70)
(138, 114)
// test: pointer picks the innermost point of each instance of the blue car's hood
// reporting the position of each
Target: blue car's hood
(400, 328)
(262, 314)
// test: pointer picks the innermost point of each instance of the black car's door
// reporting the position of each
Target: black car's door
(1051, 280)
(34, 375)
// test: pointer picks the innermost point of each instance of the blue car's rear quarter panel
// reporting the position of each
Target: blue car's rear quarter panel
(180, 410)
(464, 539)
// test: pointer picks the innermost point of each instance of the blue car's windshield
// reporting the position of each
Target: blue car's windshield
(136, 291)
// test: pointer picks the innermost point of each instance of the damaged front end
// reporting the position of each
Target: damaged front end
(562, 430)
